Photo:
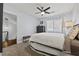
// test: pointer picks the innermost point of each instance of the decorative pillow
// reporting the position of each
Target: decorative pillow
(73, 33)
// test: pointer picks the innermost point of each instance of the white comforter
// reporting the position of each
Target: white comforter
(51, 39)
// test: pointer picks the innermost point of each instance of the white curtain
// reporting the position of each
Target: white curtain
(55, 25)
(50, 26)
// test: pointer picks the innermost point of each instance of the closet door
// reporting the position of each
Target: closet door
(57, 25)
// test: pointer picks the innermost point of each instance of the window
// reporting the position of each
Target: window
(54, 25)
(50, 26)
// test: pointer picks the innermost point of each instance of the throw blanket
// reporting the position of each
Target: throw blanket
(55, 40)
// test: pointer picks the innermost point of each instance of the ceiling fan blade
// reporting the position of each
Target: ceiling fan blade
(47, 12)
(37, 12)
(39, 9)
(47, 8)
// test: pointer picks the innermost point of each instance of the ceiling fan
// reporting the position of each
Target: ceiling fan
(43, 11)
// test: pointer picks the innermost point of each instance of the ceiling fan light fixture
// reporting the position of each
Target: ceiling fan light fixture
(42, 13)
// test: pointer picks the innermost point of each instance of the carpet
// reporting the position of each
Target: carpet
(21, 49)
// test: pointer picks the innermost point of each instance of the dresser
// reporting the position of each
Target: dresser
(40, 29)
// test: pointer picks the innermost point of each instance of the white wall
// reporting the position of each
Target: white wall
(11, 26)
(12, 31)
(26, 25)
(76, 13)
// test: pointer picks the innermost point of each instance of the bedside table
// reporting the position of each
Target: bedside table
(26, 38)
(75, 47)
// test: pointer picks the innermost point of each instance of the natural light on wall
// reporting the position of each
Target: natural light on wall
(69, 24)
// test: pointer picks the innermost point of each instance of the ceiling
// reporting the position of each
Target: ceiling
(30, 8)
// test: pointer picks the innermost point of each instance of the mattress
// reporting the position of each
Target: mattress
(50, 39)
(46, 50)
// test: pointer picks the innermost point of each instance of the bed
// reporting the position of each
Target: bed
(54, 43)
(48, 43)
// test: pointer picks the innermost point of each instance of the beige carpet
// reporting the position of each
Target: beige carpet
(21, 49)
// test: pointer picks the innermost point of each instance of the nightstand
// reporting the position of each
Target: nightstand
(75, 47)
(25, 38)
